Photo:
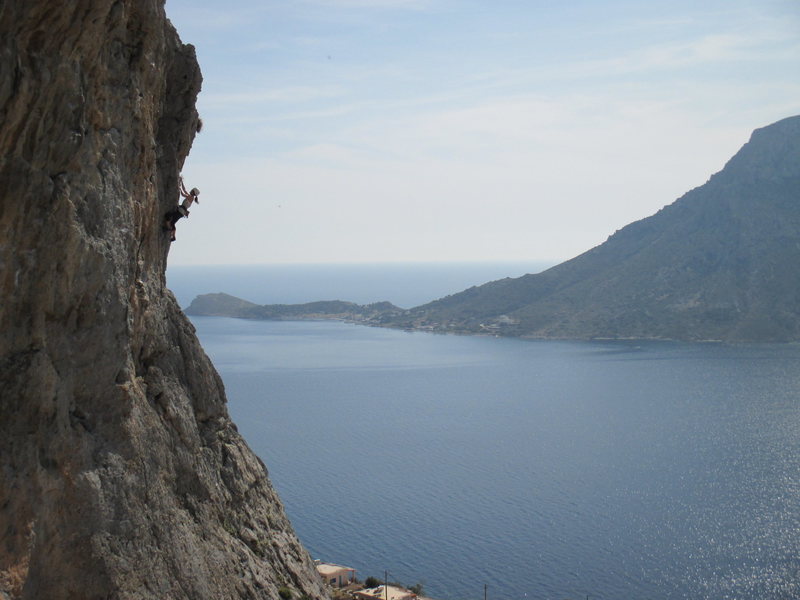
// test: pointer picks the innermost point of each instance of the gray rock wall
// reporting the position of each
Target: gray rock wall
(121, 474)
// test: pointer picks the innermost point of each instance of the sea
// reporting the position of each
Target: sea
(513, 469)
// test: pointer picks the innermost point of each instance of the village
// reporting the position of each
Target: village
(345, 586)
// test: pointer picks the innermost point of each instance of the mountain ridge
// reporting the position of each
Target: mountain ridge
(716, 264)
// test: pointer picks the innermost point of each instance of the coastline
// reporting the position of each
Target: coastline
(385, 314)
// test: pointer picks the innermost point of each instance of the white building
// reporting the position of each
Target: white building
(335, 575)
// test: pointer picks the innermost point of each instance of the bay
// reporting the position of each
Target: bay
(540, 469)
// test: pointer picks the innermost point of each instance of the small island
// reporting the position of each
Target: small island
(225, 305)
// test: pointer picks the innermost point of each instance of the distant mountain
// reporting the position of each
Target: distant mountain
(720, 263)
(224, 305)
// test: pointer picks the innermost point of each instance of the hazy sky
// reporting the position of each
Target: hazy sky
(436, 130)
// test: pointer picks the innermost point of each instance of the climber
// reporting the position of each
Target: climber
(182, 210)
(188, 197)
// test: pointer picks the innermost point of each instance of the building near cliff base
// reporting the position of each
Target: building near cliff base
(335, 575)
(385, 592)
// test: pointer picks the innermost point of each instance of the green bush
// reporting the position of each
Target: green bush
(285, 593)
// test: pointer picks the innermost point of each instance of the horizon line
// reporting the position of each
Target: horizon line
(487, 262)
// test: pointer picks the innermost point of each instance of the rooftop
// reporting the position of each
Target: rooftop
(395, 593)
(331, 568)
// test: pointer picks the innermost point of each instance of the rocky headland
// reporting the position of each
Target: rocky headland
(121, 473)
(720, 263)
(225, 305)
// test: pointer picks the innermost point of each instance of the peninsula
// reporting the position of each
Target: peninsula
(224, 305)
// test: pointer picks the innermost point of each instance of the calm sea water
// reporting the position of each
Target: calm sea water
(541, 469)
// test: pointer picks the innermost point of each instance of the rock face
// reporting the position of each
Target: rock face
(121, 474)
(720, 263)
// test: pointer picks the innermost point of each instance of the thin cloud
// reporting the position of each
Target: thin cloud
(415, 5)
(260, 97)
(703, 50)
(662, 60)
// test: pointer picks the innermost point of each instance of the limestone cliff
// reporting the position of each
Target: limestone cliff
(121, 474)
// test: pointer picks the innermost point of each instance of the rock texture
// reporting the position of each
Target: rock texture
(720, 263)
(121, 474)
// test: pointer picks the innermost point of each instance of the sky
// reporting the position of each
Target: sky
(347, 131)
